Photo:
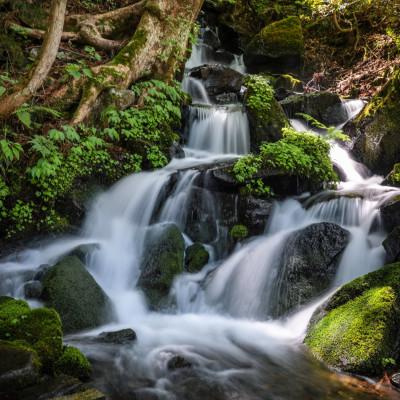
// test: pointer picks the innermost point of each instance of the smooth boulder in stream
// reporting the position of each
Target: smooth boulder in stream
(309, 264)
(70, 289)
(163, 260)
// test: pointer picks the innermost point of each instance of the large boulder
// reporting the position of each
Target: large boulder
(309, 264)
(278, 47)
(390, 213)
(357, 329)
(163, 261)
(377, 129)
(266, 116)
(218, 79)
(70, 289)
(325, 107)
(392, 245)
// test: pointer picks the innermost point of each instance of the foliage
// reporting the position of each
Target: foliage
(40, 171)
(330, 132)
(298, 153)
(259, 95)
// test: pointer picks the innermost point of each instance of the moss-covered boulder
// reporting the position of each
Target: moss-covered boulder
(72, 291)
(393, 179)
(196, 257)
(73, 363)
(392, 245)
(266, 116)
(279, 47)
(378, 129)
(163, 261)
(390, 213)
(19, 366)
(39, 329)
(357, 329)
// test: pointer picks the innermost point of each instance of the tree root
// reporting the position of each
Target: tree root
(39, 72)
(93, 30)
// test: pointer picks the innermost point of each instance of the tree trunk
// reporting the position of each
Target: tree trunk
(156, 49)
(47, 56)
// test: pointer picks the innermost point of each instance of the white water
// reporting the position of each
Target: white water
(217, 324)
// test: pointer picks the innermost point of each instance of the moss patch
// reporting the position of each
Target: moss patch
(239, 232)
(196, 257)
(357, 331)
(266, 116)
(279, 39)
(38, 329)
(73, 363)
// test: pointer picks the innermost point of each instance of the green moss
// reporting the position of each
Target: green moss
(38, 329)
(357, 336)
(196, 257)
(239, 232)
(279, 39)
(357, 330)
(126, 54)
(266, 116)
(394, 176)
(72, 362)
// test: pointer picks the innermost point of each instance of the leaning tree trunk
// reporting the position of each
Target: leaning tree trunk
(156, 49)
(38, 74)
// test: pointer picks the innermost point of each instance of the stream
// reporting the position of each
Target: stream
(222, 323)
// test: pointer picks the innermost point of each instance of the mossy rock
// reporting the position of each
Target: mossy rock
(72, 291)
(378, 127)
(164, 260)
(73, 363)
(266, 116)
(19, 367)
(39, 329)
(239, 232)
(357, 330)
(393, 178)
(279, 47)
(196, 257)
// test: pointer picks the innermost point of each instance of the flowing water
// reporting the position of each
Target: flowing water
(220, 323)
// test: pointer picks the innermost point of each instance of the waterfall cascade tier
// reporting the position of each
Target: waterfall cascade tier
(220, 324)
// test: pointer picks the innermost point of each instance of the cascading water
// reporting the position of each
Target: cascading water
(219, 324)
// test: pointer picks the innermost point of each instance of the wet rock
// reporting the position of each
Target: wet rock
(390, 213)
(218, 79)
(163, 260)
(33, 289)
(196, 257)
(176, 151)
(323, 106)
(309, 264)
(377, 129)
(61, 387)
(357, 329)
(41, 272)
(211, 39)
(255, 213)
(124, 336)
(178, 362)
(392, 245)
(395, 380)
(70, 289)
(278, 47)
(226, 98)
(19, 367)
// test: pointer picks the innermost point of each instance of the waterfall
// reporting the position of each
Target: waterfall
(219, 130)
(222, 322)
